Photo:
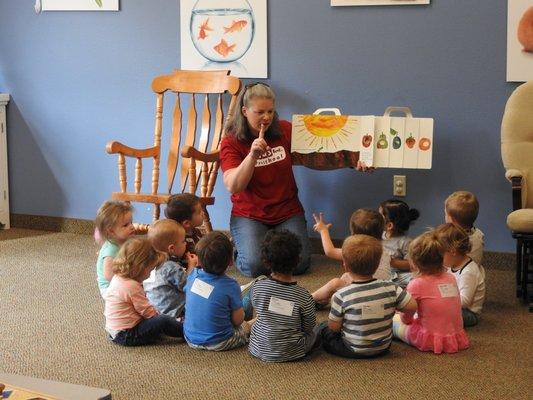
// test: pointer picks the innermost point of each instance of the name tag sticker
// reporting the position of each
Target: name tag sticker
(201, 288)
(372, 311)
(448, 290)
(280, 306)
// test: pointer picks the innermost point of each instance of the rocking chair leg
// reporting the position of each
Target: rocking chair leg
(528, 273)
(519, 263)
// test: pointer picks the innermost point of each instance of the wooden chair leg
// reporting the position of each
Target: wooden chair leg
(156, 212)
(207, 221)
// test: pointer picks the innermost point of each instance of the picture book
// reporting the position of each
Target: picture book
(330, 141)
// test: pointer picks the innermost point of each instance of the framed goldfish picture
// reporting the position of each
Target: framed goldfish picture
(519, 40)
(224, 34)
(377, 2)
(331, 141)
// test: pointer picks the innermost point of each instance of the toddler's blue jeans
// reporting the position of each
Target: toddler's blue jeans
(149, 330)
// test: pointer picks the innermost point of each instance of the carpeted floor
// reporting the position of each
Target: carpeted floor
(52, 328)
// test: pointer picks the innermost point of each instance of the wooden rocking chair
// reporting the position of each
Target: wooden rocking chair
(197, 163)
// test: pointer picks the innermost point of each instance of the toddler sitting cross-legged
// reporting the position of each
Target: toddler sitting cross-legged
(360, 319)
(285, 326)
(437, 326)
(469, 275)
(214, 314)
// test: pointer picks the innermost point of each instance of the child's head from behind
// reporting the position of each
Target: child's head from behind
(114, 221)
(398, 216)
(168, 236)
(215, 253)
(461, 208)
(367, 222)
(136, 258)
(186, 209)
(361, 254)
(280, 251)
(426, 253)
(455, 241)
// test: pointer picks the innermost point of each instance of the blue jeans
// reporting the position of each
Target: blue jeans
(149, 330)
(248, 235)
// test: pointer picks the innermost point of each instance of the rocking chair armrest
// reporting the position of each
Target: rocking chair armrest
(191, 152)
(515, 177)
(119, 148)
(513, 173)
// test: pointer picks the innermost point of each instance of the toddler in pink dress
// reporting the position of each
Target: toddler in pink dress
(438, 325)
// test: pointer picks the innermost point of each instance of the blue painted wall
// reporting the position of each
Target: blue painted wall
(78, 79)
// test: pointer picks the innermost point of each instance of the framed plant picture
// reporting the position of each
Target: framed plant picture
(335, 3)
(76, 5)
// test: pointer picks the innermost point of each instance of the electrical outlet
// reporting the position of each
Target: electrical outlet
(399, 185)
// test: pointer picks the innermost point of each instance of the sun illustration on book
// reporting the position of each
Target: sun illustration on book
(324, 132)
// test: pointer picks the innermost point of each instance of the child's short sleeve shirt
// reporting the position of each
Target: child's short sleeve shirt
(366, 310)
(271, 195)
(209, 302)
(108, 249)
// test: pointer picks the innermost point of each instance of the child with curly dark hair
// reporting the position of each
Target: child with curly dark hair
(285, 326)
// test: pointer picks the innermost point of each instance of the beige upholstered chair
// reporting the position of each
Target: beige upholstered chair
(517, 156)
(197, 153)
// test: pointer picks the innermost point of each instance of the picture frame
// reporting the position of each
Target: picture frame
(233, 36)
(519, 40)
(77, 5)
(340, 3)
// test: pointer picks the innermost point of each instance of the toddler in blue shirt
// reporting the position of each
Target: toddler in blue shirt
(214, 314)
(165, 285)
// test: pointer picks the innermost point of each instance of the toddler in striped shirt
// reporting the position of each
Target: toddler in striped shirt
(285, 326)
(360, 319)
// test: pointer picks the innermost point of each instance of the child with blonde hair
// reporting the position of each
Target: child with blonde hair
(113, 227)
(438, 325)
(214, 313)
(398, 218)
(130, 318)
(469, 275)
(461, 208)
(363, 221)
(360, 320)
(165, 287)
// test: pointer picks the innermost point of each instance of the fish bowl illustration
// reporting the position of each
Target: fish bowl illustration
(222, 34)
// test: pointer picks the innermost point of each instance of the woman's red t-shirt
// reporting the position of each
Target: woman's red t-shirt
(271, 195)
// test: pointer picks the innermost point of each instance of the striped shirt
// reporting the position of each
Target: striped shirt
(285, 320)
(366, 310)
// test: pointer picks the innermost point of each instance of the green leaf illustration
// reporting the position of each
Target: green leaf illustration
(99, 3)
(393, 132)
